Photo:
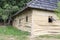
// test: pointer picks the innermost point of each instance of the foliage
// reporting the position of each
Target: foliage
(57, 11)
(1, 10)
(4, 17)
(10, 7)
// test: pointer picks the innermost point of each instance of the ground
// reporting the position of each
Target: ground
(48, 37)
(11, 33)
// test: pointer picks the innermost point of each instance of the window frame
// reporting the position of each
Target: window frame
(26, 18)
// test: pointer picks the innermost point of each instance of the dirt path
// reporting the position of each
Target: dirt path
(7, 37)
(10, 37)
(47, 39)
(52, 37)
(44, 39)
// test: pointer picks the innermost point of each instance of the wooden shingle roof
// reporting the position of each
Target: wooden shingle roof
(41, 4)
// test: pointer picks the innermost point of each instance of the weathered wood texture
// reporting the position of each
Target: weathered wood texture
(41, 25)
(20, 21)
(37, 22)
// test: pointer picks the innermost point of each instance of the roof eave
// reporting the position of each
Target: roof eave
(32, 8)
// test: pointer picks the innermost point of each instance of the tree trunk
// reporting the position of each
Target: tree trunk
(4, 22)
(9, 21)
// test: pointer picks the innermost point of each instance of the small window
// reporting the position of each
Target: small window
(26, 18)
(50, 19)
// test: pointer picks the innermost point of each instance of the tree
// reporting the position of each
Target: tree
(1, 10)
(10, 7)
(9, 10)
(57, 11)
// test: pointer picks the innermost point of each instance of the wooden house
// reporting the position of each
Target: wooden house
(34, 18)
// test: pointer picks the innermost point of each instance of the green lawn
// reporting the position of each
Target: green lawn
(11, 33)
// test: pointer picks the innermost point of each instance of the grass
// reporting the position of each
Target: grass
(50, 36)
(9, 31)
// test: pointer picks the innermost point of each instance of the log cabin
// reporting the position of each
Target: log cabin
(34, 18)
